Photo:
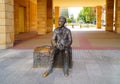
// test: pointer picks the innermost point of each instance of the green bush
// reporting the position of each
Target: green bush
(69, 20)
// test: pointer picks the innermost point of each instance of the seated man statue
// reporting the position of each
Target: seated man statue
(61, 41)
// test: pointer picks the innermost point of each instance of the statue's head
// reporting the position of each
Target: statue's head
(62, 21)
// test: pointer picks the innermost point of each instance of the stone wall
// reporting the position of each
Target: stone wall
(109, 14)
(117, 22)
(6, 24)
(49, 16)
(42, 18)
(44, 12)
(37, 17)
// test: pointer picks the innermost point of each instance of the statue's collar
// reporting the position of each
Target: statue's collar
(62, 27)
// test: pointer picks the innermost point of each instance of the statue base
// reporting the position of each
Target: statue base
(41, 58)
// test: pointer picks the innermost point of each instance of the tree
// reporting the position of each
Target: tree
(72, 18)
(69, 20)
(87, 15)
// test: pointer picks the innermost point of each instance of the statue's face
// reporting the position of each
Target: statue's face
(61, 22)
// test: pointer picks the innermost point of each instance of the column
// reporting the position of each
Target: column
(27, 24)
(98, 16)
(42, 16)
(6, 23)
(33, 15)
(117, 17)
(56, 16)
(109, 14)
(49, 16)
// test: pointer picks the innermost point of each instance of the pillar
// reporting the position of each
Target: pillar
(49, 16)
(56, 16)
(109, 14)
(42, 16)
(28, 25)
(32, 15)
(117, 17)
(98, 16)
(6, 23)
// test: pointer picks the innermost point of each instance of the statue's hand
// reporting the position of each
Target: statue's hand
(65, 44)
(60, 46)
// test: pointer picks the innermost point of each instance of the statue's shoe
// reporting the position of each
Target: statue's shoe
(45, 74)
(66, 74)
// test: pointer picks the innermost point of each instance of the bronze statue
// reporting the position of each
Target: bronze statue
(61, 41)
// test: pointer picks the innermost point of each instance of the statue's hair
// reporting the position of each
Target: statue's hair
(62, 18)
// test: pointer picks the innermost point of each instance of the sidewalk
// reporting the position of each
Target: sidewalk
(85, 38)
(89, 67)
(96, 60)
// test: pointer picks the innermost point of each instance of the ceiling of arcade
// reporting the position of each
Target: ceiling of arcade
(78, 3)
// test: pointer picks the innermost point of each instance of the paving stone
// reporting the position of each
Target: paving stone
(89, 67)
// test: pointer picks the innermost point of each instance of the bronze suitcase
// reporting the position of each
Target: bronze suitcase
(41, 56)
